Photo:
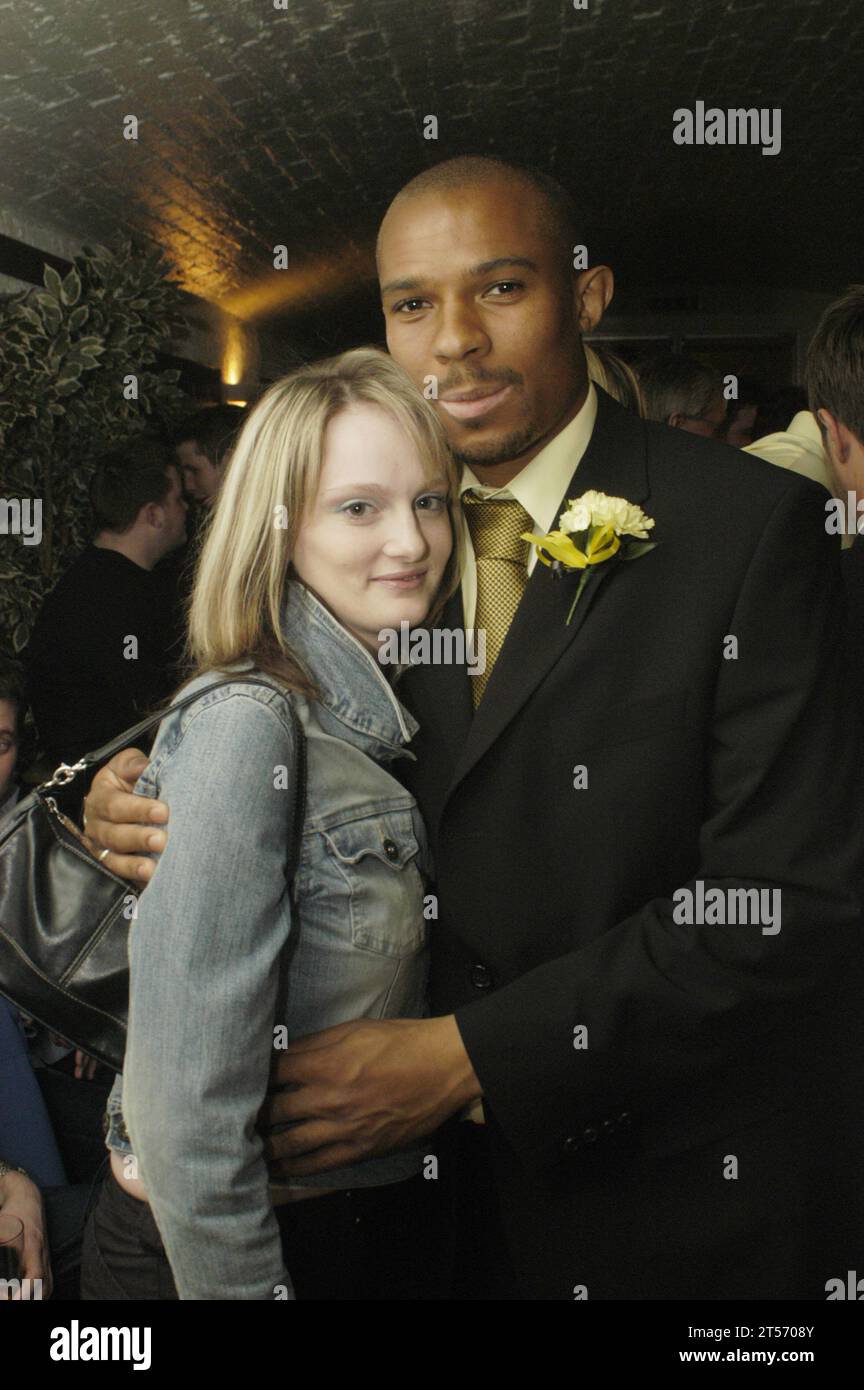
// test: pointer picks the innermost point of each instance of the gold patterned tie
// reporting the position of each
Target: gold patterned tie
(495, 526)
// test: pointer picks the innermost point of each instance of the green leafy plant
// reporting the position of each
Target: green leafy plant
(78, 375)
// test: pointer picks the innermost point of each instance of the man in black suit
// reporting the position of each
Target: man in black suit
(651, 1085)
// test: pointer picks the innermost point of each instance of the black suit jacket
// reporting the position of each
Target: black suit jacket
(852, 567)
(705, 1044)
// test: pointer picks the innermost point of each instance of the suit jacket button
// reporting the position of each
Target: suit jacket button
(589, 1134)
(625, 1119)
(609, 1127)
(570, 1146)
(481, 978)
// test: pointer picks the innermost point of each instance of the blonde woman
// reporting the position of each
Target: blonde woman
(334, 524)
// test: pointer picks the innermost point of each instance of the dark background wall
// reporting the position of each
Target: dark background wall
(261, 126)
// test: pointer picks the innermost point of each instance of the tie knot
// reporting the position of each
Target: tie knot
(496, 525)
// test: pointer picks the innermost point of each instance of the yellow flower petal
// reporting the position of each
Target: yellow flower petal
(603, 545)
(560, 547)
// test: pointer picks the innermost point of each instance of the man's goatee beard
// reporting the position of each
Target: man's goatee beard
(501, 451)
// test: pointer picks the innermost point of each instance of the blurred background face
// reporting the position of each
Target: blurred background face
(376, 539)
(709, 424)
(201, 478)
(8, 744)
(476, 293)
(739, 431)
(174, 507)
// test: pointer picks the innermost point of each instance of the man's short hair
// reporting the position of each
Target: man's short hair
(835, 362)
(557, 208)
(214, 429)
(676, 385)
(127, 479)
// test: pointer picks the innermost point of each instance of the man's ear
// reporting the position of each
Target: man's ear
(834, 437)
(592, 291)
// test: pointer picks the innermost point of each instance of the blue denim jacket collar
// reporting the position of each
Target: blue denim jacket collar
(351, 684)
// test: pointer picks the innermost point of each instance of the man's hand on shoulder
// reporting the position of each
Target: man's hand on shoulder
(122, 822)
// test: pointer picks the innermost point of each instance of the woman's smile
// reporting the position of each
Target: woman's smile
(408, 579)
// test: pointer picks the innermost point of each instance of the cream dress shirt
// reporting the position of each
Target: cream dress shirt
(540, 488)
(800, 448)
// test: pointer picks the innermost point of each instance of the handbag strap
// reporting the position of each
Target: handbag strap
(66, 773)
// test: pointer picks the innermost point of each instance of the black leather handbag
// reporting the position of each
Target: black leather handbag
(65, 918)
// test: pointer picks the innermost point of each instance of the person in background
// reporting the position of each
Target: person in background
(203, 446)
(835, 384)
(799, 447)
(741, 413)
(20, 1197)
(34, 1185)
(11, 721)
(616, 377)
(682, 393)
(96, 660)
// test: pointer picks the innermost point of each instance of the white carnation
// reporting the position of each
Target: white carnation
(597, 509)
(632, 521)
(578, 517)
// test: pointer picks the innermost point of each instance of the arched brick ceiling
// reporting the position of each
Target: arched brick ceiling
(260, 126)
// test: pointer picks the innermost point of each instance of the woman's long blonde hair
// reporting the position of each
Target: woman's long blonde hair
(271, 480)
(615, 376)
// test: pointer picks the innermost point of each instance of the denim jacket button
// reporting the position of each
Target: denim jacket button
(391, 849)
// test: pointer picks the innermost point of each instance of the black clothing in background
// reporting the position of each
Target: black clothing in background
(82, 688)
(852, 565)
(173, 578)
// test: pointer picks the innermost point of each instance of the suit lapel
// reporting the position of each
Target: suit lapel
(439, 696)
(614, 462)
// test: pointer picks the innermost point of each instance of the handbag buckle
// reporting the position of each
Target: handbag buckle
(65, 773)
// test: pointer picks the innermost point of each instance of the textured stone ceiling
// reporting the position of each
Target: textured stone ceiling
(260, 125)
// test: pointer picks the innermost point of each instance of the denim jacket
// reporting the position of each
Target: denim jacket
(220, 958)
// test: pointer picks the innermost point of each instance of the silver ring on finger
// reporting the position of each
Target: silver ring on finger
(103, 854)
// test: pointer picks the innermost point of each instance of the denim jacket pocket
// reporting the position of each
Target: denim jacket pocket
(377, 857)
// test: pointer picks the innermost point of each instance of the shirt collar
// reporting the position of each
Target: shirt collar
(806, 426)
(350, 682)
(542, 484)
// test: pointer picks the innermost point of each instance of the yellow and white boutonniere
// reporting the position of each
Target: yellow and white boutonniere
(589, 533)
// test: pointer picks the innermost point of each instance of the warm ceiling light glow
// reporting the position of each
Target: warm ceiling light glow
(234, 355)
(300, 285)
(231, 401)
(199, 239)
(188, 229)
